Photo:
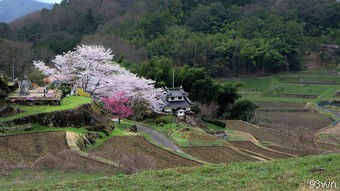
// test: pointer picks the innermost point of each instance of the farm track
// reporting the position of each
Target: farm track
(159, 138)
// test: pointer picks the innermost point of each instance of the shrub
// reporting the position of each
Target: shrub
(164, 119)
(82, 93)
(243, 110)
(217, 123)
(65, 88)
(141, 109)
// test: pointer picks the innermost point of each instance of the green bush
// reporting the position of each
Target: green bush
(243, 110)
(217, 123)
(164, 119)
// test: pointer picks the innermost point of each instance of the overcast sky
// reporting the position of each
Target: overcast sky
(50, 1)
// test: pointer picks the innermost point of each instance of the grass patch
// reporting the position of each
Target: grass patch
(39, 129)
(67, 103)
(121, 129)
(183, 138)
(290, 174)
(21, 179)
(232, 135)
(270, 89)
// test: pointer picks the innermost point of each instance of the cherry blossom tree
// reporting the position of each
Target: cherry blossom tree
(117, 104)
(92, 69)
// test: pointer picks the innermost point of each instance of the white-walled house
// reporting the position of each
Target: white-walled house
(177, 101)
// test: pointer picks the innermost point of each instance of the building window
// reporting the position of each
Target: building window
(179, 97)
(172, 98)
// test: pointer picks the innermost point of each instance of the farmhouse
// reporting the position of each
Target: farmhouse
(177, 100)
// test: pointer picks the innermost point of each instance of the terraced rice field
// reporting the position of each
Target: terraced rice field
(291, 120)
(262, 134)
(246, 145)
(136, 153)
(26, 149)
(280, 106)
(289, 151)
(217, 154)
(45, 150)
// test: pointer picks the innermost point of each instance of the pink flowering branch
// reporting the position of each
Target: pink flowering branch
(117, 104)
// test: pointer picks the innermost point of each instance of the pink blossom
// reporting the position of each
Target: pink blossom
(117, 104)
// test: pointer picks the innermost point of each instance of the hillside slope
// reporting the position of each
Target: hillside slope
(227, 38)
(13, 9)
(288, 174)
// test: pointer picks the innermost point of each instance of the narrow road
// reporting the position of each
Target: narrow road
(159, 138)
(334, 112)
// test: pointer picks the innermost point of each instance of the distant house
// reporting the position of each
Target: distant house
(327, 47)
(177, 101)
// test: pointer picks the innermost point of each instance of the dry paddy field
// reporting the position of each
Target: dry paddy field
(135, 153)
(250, 146)
(217, 154)
(289, 151)
(261, 134)
(44, 150)
(284, 121)
(279, 106)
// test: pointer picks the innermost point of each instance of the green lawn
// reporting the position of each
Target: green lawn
(290, 174)
(67, 103)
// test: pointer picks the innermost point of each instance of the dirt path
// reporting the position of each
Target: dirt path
(159, 138)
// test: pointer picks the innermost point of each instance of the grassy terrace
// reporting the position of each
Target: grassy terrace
(67, 103)
(273, 88)
(288, 174)
(193, 136)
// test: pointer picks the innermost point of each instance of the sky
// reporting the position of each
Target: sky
(50, 1)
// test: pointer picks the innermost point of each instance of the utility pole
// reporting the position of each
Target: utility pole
(13, 68)
(286, 121)
(173, 78)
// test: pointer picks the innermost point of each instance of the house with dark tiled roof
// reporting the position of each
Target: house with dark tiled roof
(177, 100)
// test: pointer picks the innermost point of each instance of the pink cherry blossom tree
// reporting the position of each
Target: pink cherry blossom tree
(92, 69)
(117, 104)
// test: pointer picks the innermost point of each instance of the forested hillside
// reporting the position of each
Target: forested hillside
(224, 37)
(13, 9)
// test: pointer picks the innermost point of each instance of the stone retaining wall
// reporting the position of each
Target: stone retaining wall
(77, 117)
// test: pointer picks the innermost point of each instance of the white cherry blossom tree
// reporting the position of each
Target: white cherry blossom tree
(92, 69)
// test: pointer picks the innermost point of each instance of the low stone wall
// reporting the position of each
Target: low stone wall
(52, 102)
(7, 111)
(77, 117)
(306, 96)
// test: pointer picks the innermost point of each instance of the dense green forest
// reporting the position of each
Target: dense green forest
(225, 37)
(200, 39)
